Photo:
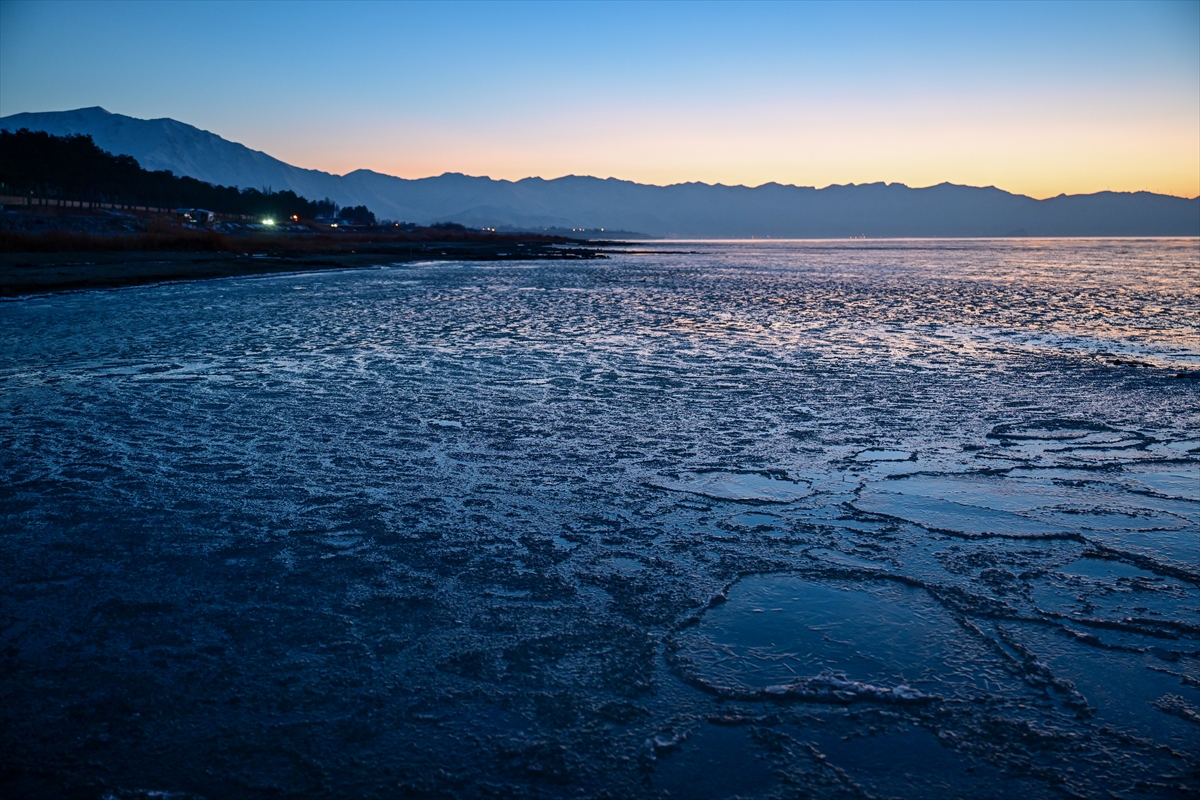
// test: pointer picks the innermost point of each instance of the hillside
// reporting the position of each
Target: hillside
(42, 165)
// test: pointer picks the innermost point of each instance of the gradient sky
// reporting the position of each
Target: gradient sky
(1039, 98)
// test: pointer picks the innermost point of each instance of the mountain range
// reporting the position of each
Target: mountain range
(687, 210)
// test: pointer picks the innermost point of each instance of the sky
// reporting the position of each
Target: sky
(1034, 98)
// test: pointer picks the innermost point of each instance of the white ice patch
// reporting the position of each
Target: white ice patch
(743, 486)
(1000, 494)
(753, 520)
(946, 515)
(623, 566)
(1103, 570)
(1180, 546)
(842, 559)
(1115, 518)
(874, 454)
(1183, 482)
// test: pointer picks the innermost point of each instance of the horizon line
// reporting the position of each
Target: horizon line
(885, 183)
(742, 185)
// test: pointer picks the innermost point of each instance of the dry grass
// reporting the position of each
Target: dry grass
(179, 240)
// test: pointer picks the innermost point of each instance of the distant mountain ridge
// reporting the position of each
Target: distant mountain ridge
(685, 210)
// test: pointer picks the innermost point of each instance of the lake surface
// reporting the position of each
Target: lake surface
(831, 519)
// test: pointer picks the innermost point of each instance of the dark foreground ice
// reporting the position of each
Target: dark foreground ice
(906, 519)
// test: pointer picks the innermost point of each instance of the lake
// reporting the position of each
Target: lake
(914, 518)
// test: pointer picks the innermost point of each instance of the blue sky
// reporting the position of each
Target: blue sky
(1039, 98)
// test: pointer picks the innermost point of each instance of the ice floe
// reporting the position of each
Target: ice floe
(738, 486)
(799, 637)
(935, 514)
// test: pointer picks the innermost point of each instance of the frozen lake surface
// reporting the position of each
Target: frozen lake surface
(828, 519)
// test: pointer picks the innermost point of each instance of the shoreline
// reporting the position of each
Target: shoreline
(26, 274)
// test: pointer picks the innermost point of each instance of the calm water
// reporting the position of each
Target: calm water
(835, 519)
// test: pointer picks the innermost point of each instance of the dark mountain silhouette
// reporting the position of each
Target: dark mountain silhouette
(685, 210)
(40, 164)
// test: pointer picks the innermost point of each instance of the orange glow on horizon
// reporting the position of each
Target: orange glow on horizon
(1067, 159)
(1031, 184)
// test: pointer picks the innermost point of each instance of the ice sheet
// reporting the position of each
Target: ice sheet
(505, 529)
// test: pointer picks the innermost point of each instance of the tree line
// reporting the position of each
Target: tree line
(34, 163)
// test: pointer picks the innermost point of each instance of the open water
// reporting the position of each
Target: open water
(820, 519)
